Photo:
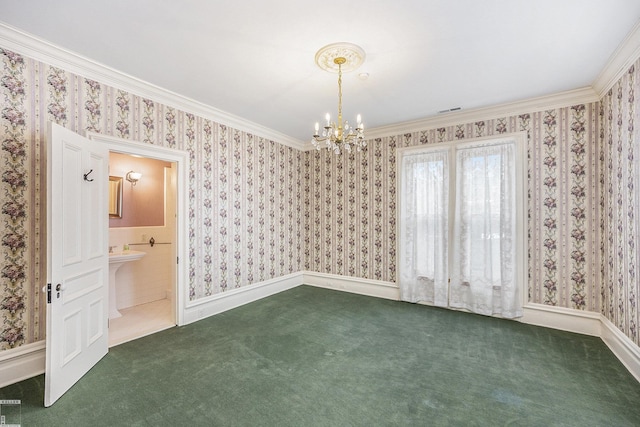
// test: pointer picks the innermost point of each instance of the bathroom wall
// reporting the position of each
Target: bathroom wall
(152, 277)
(142, 203)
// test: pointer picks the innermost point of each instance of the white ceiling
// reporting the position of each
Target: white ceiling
(255, 58)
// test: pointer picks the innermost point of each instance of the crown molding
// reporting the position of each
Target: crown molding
(619, 63)
(562, 99)
(621, 60)
(584, 95)
(41, 50)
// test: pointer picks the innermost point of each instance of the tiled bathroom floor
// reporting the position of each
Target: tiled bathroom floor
(140, 320)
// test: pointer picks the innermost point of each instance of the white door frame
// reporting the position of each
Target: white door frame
(181, 159)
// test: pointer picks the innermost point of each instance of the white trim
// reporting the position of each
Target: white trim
(564, 319)
(181, 158)
(621, 345)
(619, 63)
(28, 360)
(21, 363)
(584, 95)
(41, 50)
(218, 303)
(587, 323)
(355, 285)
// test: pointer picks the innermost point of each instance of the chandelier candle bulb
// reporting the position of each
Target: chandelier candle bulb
(317, 127)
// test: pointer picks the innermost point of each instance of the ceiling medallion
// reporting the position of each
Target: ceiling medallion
(336, 136)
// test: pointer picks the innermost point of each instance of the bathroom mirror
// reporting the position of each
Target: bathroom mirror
(115, 197)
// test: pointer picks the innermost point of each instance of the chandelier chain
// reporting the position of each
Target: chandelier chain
(340, 129)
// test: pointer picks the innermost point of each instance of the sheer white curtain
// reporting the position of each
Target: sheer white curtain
(483, 276)
(423, 272)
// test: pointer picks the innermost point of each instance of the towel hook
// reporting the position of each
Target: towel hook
(86, 176)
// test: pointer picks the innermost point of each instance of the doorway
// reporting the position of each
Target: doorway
(142, 250)
(163, 310)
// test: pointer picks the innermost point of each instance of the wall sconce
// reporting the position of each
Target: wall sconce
(133, 177)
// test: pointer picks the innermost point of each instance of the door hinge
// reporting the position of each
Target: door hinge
(177, 260)
(48, 293)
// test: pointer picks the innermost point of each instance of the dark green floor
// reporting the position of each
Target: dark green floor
(315, 357)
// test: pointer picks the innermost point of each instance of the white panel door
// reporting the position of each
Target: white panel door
(77, 258)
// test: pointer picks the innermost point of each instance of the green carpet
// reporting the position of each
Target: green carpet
(316, 357)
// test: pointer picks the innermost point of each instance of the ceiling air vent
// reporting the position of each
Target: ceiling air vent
(450, 110)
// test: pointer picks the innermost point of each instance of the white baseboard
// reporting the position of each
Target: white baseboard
(21, 363)
(205, 307)
(587, 323)
(356, 285)
(565, 319)
(29, 360)
(621, 345)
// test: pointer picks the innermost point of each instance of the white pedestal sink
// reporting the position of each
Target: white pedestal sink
(117, 260)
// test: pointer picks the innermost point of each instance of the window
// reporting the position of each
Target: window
(461, 216)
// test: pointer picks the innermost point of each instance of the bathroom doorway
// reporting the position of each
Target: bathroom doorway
(142, 250)
(150, 292)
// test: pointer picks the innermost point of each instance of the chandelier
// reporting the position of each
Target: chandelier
(339, 135)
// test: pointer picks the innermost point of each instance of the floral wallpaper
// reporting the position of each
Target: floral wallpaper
(17, 223)
(245, 193)
(259, 210)
(353, 212)
(619, 152)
